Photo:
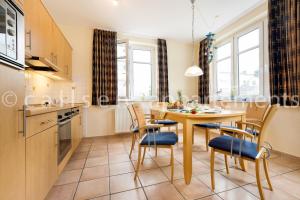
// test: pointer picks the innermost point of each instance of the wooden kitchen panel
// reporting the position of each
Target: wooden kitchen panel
(39, 123)
(41, 163)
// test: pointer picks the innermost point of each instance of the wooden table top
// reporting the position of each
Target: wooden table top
(200, 114)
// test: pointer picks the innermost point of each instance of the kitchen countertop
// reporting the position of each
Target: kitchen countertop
(32, 110)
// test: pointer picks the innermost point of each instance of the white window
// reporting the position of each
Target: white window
(122, 70)
(249, 65)
(239, 65)
(224, 70)
(137, 69)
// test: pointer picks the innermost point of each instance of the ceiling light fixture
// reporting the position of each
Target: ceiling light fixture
(116, 2)
(194, 70)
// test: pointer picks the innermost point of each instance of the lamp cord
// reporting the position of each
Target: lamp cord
(193, 32)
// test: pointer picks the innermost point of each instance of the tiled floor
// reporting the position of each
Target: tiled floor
(101, 170)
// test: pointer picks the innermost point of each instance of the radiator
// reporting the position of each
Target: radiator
(122, 119)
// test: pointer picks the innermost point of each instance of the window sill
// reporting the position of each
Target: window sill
(137, 100)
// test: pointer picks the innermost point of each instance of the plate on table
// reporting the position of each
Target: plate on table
(211, 111)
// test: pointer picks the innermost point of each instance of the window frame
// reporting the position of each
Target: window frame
(130, 47)
(263, 60)
(215, 65)
(127, 67)
(260, 46)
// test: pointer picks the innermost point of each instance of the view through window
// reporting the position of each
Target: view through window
(136, 71)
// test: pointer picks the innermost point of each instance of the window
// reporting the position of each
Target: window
(239, 65)
(122, 70)
(136, 71)
(224, 72)
(249, 64)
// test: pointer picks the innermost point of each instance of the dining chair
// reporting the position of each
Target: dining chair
(255, 117)
(240, 147)
(159, 120)
(255, 114)
(153, 138)
(134, 128)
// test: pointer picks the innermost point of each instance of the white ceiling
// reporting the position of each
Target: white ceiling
(152, 18)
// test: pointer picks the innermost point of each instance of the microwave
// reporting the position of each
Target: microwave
(12, 38)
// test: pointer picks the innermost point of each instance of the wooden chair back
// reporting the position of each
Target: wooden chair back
(132, 116)
(256, 112)
(268, 115)
(160, 105)
(140, 116)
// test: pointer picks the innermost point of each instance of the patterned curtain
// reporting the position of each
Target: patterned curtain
(203, 82)
(163, 71)
(105, 85)
(284, 51)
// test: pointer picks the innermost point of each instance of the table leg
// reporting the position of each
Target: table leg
(187, 151)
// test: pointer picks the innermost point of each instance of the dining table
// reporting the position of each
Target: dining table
(187, 119)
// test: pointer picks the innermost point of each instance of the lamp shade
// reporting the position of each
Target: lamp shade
(193, 71)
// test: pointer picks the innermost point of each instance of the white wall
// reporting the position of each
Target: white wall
(101, 121)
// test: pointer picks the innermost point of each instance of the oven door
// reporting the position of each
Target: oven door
(64, 138)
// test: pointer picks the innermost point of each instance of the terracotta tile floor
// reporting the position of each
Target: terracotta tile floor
(100, 169)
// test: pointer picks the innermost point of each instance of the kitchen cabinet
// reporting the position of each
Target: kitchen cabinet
(41, 163)
(39, 123)
(68, 60)
(77, 131)
(45, 39)
(12, 139)
(33, 33)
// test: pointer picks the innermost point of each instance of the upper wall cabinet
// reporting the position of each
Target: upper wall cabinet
(44, 38)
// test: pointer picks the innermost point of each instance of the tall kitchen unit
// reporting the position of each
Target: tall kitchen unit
(12, 139)
(12, 92)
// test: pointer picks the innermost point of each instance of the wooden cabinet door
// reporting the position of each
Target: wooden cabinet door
(33, 38)
(12, 143)
(80, 128)
(76, 131)
(41, 163)
(68, 60)
(45, 28)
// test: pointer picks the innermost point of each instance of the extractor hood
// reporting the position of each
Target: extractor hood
(41, 64)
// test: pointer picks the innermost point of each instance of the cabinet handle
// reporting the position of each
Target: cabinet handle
(46, 122)
(24, 121)
(28, 34)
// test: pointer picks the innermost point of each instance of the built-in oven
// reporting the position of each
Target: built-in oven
(12, 39)
(64, 118)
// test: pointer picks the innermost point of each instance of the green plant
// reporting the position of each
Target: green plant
(180, 98)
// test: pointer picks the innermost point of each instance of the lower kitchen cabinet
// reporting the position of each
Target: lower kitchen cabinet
(77, 130)
(41, 163)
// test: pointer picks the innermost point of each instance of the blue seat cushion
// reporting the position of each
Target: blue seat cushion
(165, 122)
(248, 149)
(208, 125)
(249, 130)
(164, 138)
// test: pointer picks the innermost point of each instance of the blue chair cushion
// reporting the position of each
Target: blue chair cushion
(208, 125)
(249, 130)
(248, 149)
(165, 122)
(164, 138)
